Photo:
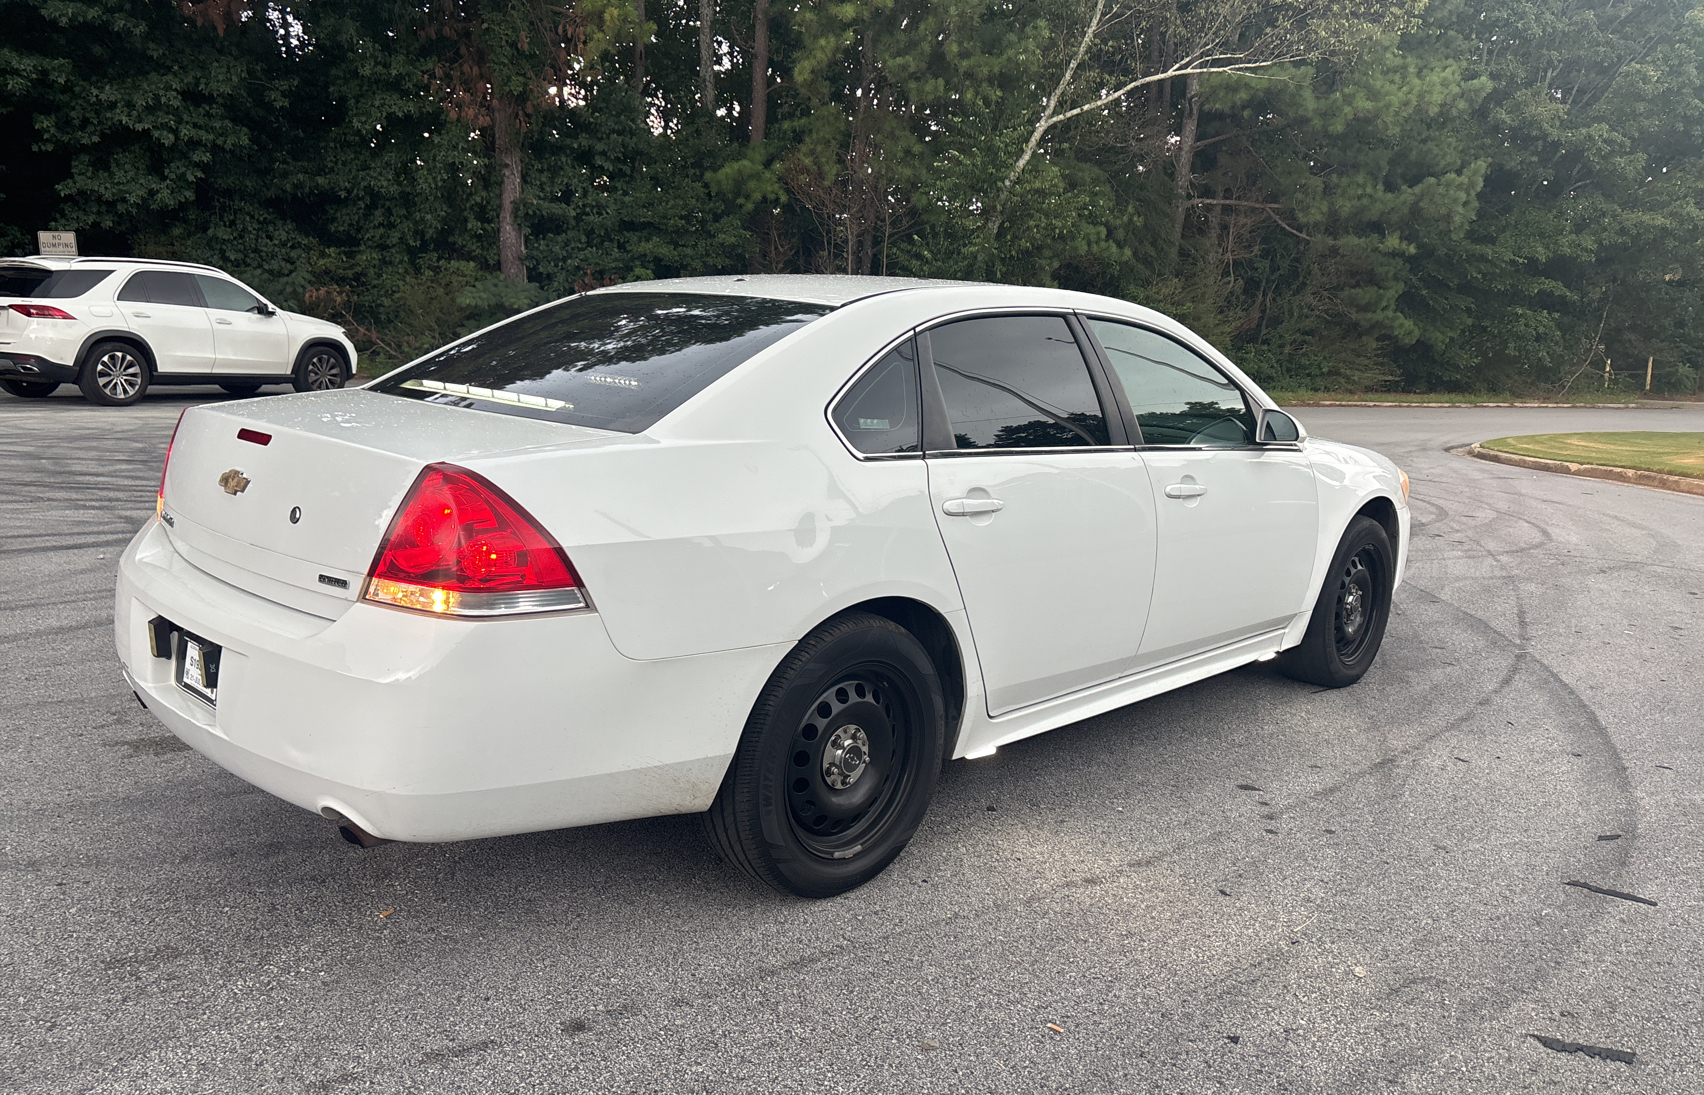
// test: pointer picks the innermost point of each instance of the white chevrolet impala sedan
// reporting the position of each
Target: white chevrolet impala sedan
(764, 548)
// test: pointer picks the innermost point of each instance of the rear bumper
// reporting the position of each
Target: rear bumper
(34, 368)
(39, 350)
(428, 729)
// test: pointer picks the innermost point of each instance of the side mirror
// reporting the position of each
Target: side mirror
(264, 309)
(1277, 428)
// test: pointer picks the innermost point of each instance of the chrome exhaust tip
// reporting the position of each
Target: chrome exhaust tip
(352, 832)
(360, 837)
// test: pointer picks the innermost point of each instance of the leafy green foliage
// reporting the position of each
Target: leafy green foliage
(1505, 196)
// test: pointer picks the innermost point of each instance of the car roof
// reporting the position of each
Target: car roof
(62, 262)
(830, 289)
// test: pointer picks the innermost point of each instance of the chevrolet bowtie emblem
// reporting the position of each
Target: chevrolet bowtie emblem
(234, 482)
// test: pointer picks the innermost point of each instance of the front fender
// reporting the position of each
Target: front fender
(1352, 480)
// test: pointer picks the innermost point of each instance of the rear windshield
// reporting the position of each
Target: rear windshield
(612, 361)
(38, 284)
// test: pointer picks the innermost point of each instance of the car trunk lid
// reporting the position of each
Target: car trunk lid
(289, 497)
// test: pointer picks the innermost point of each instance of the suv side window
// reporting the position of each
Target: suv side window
(31, 281)
(879, 414)
(1016, 382)
(162, 287)
(225, 296)
(1178, 397)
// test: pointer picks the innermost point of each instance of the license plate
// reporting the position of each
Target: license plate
(198, 668)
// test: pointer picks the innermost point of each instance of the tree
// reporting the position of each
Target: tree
(1597, 127)
(707, 54)
(504, 59)
(1217, 36)
(132, 108)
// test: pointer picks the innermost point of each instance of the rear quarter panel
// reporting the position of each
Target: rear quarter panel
(741, 519)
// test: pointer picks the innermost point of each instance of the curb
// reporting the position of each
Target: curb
(1634, 476)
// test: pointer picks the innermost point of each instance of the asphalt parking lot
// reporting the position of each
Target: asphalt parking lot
(1250, 885)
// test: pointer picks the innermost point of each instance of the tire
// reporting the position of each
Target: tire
(1349, 618)
(322, 369)
(241, 391)
(30, 389)
(860, 704)
(114, 375)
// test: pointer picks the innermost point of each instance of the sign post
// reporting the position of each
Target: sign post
(56, 243)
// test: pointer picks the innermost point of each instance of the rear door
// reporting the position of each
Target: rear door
(245, 340)
(165, 308)
(1237, 521)
(1049, 524)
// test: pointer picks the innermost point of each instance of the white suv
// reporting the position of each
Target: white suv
(115, 326)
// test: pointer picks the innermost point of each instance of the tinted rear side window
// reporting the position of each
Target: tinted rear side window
(47, 284)
(1016, 382)
(162, 287)
(613, 361)
(879, 415)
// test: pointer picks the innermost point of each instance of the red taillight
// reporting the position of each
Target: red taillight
(41, 311)
(261, 439)
(458, 546)
(160, 499)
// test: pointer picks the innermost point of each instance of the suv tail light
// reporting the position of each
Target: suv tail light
(160, 499)
(41, 311)
(458, 546)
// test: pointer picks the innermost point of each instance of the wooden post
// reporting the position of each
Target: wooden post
(1606, 374)
(1649, 361)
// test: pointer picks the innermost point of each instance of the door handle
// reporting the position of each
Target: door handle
(226, 322)
(965, 507)
(1185, 490)
(141, 315)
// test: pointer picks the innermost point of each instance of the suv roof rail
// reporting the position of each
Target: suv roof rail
(150, 262)
(73, 259)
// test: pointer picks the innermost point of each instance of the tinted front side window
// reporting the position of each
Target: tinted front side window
(162, 287)
(613, 361)
(226, 296)
(1016, 382)
(48, 284)
(880, 412)
(1177, 396)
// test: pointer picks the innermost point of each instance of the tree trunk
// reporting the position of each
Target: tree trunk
(707, 53)
(506, 132)
(1185, 159)
(639, 49)
(759, 71)
(863, 181)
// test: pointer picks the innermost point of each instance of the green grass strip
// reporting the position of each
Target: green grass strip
(1298, 396)
(1647, 450)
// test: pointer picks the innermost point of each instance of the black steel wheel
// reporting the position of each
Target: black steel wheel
(1348, 622)
(838, 760)
(1356, 598)
(114, 375)
(322, 369)
(30, 389)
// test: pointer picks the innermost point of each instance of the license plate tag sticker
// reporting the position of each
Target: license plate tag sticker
(198, 668)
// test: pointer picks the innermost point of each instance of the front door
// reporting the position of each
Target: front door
(164, 307)
(1049, 526)
(1238, 522)
(244, 338)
